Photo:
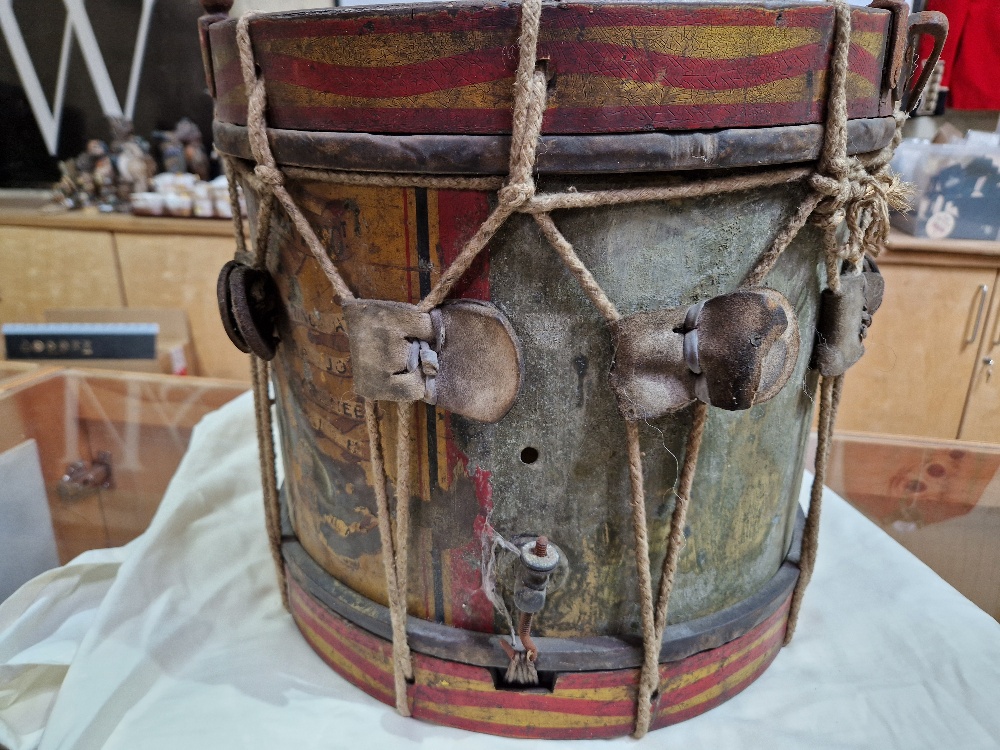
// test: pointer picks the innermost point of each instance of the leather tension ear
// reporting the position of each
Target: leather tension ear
(462, 356)
(731, 351)
(844, 318)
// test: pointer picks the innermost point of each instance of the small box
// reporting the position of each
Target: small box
(957, 189)
(174, 353)
(54, 341)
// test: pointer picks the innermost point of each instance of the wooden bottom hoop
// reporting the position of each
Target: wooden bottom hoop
(579, 705)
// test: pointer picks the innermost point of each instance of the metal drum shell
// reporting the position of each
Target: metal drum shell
(469, 475)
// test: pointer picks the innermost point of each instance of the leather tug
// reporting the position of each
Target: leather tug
(844, 318)
(462, 356)
(732, 351)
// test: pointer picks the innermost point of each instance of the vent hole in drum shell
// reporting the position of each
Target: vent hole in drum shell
(529, 455)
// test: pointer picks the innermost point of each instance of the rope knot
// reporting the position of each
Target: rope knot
(271, 176)
(516, 194)
(860, 201)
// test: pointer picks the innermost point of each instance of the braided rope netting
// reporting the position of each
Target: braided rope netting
(844, 190)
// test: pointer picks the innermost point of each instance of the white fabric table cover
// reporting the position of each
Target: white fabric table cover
(179, 640)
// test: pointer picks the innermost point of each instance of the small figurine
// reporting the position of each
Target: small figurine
(131, 155)
(171, 151)
(194, 150)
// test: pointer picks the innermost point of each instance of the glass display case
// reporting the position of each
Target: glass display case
(88, 456)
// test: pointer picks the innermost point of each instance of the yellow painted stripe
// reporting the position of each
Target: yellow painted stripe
(387, 50)
(702, 42)
(450, 682)
(343, 665)
(488, 95)
(374, 656)
(527, 717)
(871, 41)
(581, 91)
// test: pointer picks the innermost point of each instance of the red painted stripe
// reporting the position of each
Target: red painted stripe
(460, 214)
(366, 22)
(465, 69)
(470, 672)
(678, 71)
(584, 58)
(863, 63)
(705, 658)
(583, 732)
(379, 690)
(511, 699)
(726, 669)
(662, 719)
(596, 680)
(348, 633)
(338, 634)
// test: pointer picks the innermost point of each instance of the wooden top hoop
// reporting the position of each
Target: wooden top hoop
(612, 67)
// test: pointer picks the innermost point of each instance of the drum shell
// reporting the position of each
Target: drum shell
(392, 243)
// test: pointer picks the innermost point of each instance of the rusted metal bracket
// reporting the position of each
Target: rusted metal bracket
(83, 478)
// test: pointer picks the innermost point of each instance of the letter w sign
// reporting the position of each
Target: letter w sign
(78, 25)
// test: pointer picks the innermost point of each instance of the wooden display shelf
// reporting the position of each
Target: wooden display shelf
(85, 259)
(113, 222)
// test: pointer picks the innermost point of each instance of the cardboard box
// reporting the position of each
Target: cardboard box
(174, 351)
(938, 498)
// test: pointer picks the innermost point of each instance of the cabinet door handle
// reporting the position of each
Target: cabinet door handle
(983, 289)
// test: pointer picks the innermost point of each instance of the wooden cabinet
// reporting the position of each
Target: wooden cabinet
(981, 420)
(46, 268)
(158, 273)
(75, 259)
(925, 372)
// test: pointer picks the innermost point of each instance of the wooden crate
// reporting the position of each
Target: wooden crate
(143, 420)
(938, 498)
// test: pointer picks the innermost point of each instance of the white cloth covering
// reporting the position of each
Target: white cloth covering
(179, 640)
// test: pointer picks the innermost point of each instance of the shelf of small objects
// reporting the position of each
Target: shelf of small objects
(184, 195)
(118, 177)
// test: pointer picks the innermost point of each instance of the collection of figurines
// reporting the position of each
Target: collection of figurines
(123, 177)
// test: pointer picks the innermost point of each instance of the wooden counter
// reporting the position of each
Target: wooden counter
(95, 221)
(904, 248)
(64, 259)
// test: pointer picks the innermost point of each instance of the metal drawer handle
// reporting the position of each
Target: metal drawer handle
(983, 289)
(996, 329)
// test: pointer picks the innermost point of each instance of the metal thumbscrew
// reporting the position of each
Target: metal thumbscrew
(542, 543)
(538, 560)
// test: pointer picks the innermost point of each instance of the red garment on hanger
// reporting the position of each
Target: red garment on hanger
(971, 54)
